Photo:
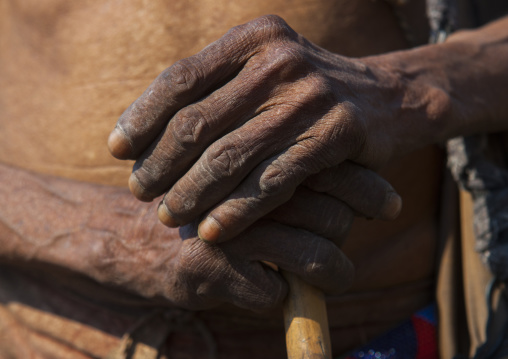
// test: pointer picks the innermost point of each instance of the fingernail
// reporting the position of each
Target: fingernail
(166, 217)
(392, 206)
(138, 191)
(210, 230)
(118, 144)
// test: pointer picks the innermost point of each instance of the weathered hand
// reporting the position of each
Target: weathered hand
(236, 128)
(109, 236)
(204, 276)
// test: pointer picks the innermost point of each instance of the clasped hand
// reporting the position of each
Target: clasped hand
(264, 124)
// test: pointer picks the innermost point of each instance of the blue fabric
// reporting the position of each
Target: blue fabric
(413, 339)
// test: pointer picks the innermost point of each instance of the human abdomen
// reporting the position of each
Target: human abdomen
(69, 69)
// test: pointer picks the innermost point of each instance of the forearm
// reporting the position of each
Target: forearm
(105, 234)
(479, 78)
(98, 231)
(450, 89)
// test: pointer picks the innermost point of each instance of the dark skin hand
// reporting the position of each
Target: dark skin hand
(241, 148)
(232, 131)
(109, 236)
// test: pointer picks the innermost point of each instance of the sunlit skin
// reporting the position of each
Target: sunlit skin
(69, 70)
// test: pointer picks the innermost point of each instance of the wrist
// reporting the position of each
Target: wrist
(450, 89)
(422, 108)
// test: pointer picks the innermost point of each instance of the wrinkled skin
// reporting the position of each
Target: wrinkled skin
(299, 221)
(111, 237)
(286, 135)
(233, 130)
(117, 241)
(233, 273)
(203, 276)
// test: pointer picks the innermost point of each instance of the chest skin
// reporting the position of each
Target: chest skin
(69, 69)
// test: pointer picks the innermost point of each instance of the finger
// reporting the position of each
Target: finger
(315, 259)
(315, 212)
(186, 82)
(254, 286)
(225, 164)
(287, 127)
(244, 206)
(213, 274)
(361, 189)
(267, 187)
(197, 126)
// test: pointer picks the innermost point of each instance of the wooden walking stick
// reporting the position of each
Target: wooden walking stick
(306, 322)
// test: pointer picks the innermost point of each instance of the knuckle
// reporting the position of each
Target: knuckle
(333, 138)
(320, 89)
(264, 29)
(193, 266)
(286, 172)
(244, 32)
(313, 96)
(226, 158)
(274, 26)
(352, 128)
(285, 61)
(333, 132)
(273, 180)
(189, 126)
(184, 271)
(184, 74)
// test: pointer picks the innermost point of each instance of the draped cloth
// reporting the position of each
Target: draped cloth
(471, 293)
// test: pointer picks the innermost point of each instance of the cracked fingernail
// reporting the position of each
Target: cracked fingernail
(165, 217)
(210, 230)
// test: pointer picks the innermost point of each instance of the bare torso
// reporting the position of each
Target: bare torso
(69, 69)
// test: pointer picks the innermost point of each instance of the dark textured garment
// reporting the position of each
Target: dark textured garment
(470, 295)
(443, 18)
(480, 165)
